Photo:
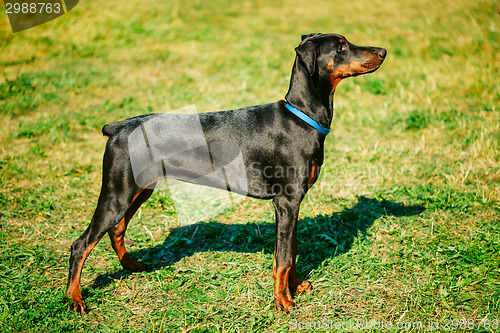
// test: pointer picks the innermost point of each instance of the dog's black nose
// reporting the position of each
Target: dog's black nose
(381, 52)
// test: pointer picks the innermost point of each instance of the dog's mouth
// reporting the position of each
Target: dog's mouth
(368, 68)
(368, 61)
(371, 64)
(355, 69)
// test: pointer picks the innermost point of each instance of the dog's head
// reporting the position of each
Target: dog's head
(332, 57)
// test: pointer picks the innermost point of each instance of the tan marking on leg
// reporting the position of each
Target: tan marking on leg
(282, 296)
(74, 290)
(313, 175)
(117, 235)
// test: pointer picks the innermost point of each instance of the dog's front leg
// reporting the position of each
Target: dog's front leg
(296, 284)
(287, 211)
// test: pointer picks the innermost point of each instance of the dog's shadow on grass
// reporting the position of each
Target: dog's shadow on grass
(319, 238)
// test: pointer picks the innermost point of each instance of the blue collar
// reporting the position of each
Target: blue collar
(307, 119)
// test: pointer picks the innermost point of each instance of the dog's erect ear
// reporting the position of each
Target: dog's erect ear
(307, 55)
(310, 35)
(305, 36)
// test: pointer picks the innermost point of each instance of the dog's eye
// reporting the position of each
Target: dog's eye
(342, 47)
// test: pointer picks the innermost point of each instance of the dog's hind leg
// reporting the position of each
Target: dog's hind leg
(117, 233)
(107, 214)
(117, 202)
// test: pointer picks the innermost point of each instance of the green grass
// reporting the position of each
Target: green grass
(404, 225)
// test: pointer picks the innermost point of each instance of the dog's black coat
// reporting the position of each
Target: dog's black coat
(272, 142)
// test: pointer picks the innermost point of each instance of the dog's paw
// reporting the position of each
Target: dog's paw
(133, 265)
(304, 287)
(78, 305)
(284, 304)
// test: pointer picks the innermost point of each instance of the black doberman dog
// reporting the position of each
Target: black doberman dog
(280, 146)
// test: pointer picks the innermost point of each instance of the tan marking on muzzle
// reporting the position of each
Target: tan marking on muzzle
(370, 63)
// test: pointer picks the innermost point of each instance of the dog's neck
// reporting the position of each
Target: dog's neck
(311, 94)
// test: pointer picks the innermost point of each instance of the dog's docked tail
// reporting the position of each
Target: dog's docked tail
(110, 129)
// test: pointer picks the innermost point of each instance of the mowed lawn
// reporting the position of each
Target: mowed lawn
(402, 228)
